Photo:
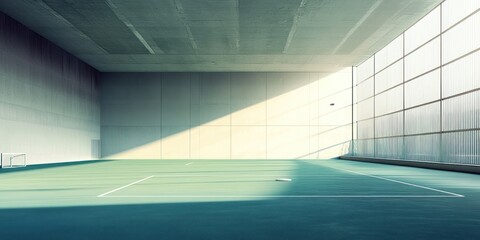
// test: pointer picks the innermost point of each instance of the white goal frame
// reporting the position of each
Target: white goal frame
(13, 160)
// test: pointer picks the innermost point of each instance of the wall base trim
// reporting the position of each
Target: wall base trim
(430, 165)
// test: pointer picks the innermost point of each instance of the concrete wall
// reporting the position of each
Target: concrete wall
(48, 99)
(225, 115)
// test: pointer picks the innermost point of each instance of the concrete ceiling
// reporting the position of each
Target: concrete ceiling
(219, 35)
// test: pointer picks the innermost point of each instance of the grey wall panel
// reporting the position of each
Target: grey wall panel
(176, 143)
(215, 88)
(333, 83)
(341, 99)
(281, 83)
(131, 88)
(131, 114)
(174, 114)
(334, 122)
(248, 102)
(176, 88)
(249, 87)
(337, 118)
(334, 142)
(176, 101)
(249, 142)
(288, 101)
(215, 95)
(213, 114)
(49, 100)
(117, 139)
(126, 114)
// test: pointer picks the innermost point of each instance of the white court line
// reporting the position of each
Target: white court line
(169, 175)
(188, 163)
(250, 165)
(283, 196)
(128, 185)
(450, 194)
(396, 181)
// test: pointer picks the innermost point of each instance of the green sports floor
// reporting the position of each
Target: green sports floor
(215, 199)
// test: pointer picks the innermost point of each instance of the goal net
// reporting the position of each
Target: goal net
(12, 160)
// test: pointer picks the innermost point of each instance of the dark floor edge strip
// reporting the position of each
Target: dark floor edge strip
(429, 165)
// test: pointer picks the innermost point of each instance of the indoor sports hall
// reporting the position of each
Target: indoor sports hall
(239, 119)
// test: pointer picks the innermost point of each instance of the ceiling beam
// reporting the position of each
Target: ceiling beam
(183, 19)
(293, 29)
(237, 33)
(68, 23)
(130, 26)
(359, 23)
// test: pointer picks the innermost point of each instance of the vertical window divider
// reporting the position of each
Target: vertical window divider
(374, 117)
(440, 148)
(353, 124)
(404, 146)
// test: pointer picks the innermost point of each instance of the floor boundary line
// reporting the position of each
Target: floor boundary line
(284, 196)
(401, 182)
(122, 187)
(169, 175)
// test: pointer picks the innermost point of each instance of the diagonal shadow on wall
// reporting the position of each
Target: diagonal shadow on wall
(219, 115)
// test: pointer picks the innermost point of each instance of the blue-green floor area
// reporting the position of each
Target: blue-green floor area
(241, 199)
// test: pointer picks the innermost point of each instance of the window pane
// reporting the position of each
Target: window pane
(423, 148)
(462, 75)
(462, 112)
(365, 70)
(389, 101)
(365, 129)
(365, 89)
(365, 109)
(423, 31)
(423, 89)
(424, 119)
(389, 77)
(364, 148)
(389, 148)
(422, 60)
(389, 125)
(452, 11)
(389, 54)
(461, 39)
(461, 147)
